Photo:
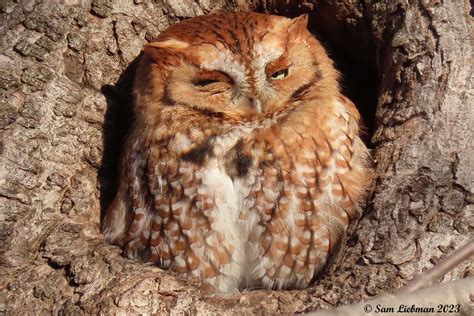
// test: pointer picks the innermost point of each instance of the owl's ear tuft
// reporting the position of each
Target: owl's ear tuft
(299, 24)
(169, 43)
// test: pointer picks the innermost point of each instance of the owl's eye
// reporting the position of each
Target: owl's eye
(280, 74)
(211, 80)
(205, 82)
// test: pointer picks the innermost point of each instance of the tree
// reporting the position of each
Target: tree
(65, 76)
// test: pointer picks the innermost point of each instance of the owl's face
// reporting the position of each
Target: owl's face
(244, 64)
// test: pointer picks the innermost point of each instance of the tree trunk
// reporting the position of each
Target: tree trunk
(65, 76)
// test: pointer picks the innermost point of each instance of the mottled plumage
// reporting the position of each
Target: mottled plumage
(244, 166)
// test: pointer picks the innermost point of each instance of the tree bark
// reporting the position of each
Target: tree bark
(65, 76)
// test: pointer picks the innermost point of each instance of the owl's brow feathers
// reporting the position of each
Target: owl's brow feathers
(225, 34)
(238, 37)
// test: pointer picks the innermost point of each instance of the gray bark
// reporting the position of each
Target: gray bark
(65, 74)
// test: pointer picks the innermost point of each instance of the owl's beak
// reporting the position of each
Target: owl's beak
(257, 105)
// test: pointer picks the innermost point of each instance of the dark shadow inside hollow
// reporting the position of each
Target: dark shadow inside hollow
(349, 43)
(117, 123)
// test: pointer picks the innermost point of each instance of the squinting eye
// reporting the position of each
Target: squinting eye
(205, 82)
(280, 74)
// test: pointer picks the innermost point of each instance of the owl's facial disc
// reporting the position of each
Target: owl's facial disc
(244, 87)
(247, 70)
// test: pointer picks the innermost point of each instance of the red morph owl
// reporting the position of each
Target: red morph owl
(244, 165)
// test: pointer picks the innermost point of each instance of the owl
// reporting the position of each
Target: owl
(244, 165)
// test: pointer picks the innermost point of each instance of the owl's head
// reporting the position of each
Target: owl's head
(246, 65)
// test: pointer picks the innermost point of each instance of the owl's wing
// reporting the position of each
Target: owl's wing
(181, 215)
(352, 110)
(118, 217)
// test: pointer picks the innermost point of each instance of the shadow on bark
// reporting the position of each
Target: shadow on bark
(117, 123)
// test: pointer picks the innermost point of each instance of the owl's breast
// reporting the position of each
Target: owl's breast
(276, 199)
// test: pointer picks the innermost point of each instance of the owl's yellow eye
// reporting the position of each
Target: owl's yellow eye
(280, 74)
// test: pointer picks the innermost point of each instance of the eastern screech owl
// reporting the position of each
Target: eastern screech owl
(244, 165)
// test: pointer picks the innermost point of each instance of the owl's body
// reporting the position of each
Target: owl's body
(244, 166)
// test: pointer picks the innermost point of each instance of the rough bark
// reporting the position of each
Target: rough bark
(65, 74)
